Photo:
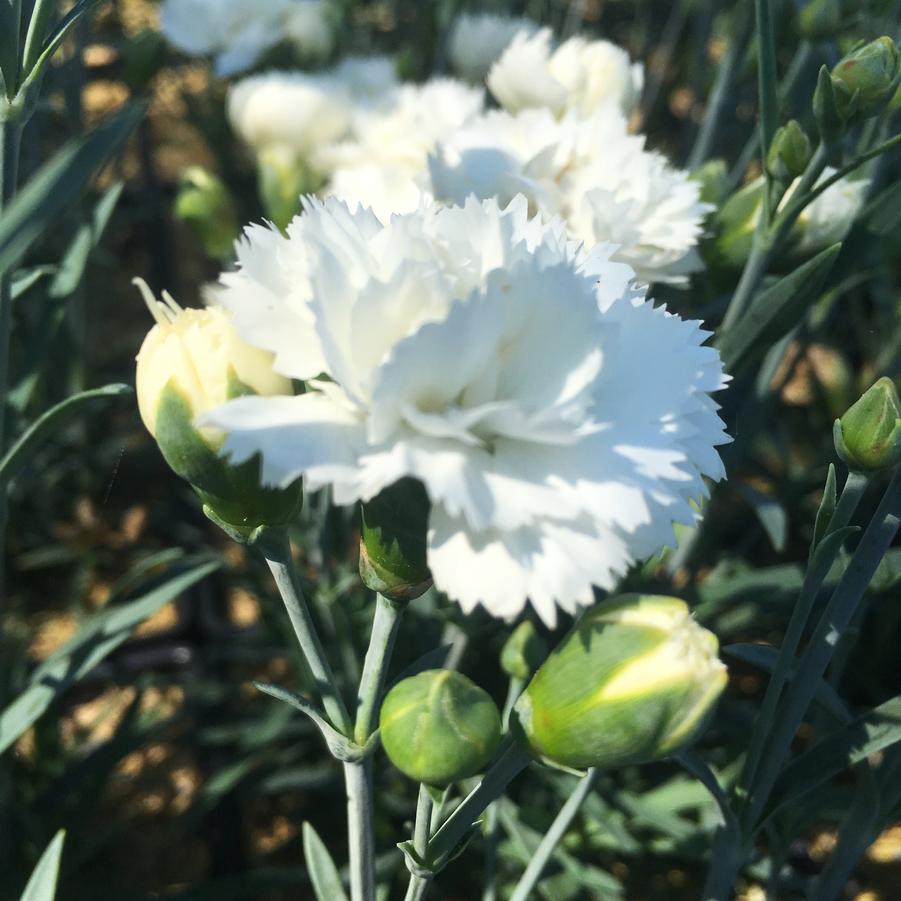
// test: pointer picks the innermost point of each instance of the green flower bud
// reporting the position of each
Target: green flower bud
(820, 20)
(713, 177)
(191, 362)
(789, 153)
(867, 78)
(393, 541)
(868, 436)
(736, 222)
(281, 179)
(523, 651)
(634, 680)
(439, 727)
(206, 205)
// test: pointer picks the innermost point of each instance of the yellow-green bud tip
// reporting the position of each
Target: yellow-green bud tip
(634, 680)
(439, 727)
(868, 436)
(790, 152)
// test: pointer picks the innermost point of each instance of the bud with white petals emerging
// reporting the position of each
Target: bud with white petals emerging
(634, 680)
(191, 362)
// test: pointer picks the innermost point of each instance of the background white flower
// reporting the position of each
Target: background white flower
(601, 180)
(293, 112)
(477, 41)
(580, 76)
(236, 33)
(482, 353)
(383, 164)
(828, 219)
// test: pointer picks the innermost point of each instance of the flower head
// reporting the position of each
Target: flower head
(482, 353)
(579, 76)
(828, 218)
(601, 180)
(291, 113)
(478, 40)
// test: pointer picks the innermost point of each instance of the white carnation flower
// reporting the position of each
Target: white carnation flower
(559, 422)
(308, 26)
(384, 164)
(592, 173)
(477, 41)
(235, 32)
(293, 112)
(580, 76)
(367, 78)
(828, 219)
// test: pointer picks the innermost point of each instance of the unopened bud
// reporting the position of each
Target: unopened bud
(820, 20)
(713, 177)
(523, 651)
(393, 541)
(204, 202)
(867, 78)
(439, 727)
(789, 153)
(868, 436)
(634, 680)
(191, 362)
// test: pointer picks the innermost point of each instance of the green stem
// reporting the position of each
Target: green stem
(10, 146)
(767, 239)
(852, 492)
(845, 598)
(552, 838)
(358, 776)
(360, 836)
(766, 83)
(511, 761)
(385, 624)
(721, 91)
(419, 886)
(277, 551)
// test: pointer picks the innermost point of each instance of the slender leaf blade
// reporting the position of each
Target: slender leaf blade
(48, 424)
(777, 309)
(42, 884)
(58, 183)
(98, 637)
(323, 872)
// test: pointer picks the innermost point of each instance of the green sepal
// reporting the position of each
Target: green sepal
(523, 652)
(736, 222)
(393, 541)
(233, 493)
(825, 510)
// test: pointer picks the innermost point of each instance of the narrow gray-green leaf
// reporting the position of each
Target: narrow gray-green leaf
(53, 188)
(44, 48)
(825, 510)
(25, 279)
(98, 636)
(75, 260)
(764, 657)
(874, 731)
(49, 424)
(41, 15)
(9, 52)
(42, 884)
(770, 513)
(882, 215)
(777, 309)
(321, 867)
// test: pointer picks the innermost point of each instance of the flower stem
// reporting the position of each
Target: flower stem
(552, 838)
(358, 775)
(511, 761)
(10, 145)
(419, 886)
(360, 837)
(277, 551)
(845, 599)
(853, 490)
(385, 624)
